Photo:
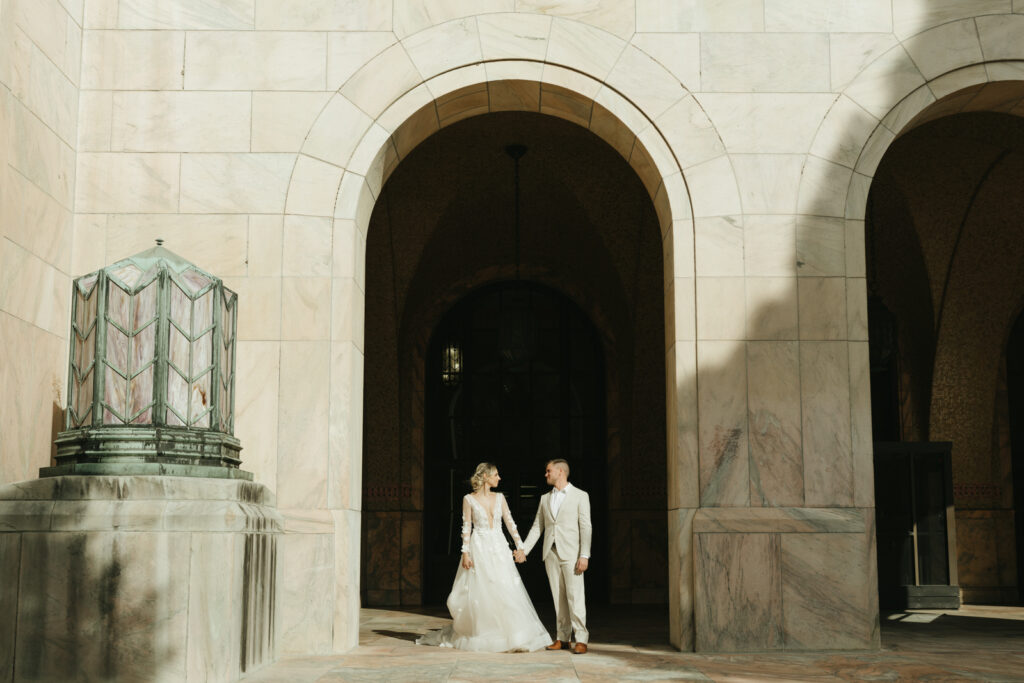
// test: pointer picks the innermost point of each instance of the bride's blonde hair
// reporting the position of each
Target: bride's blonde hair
(483, 471)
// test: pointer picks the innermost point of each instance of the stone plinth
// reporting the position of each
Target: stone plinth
(785, 579)
(136, 578)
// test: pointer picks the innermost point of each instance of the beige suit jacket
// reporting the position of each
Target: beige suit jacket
(570, 531)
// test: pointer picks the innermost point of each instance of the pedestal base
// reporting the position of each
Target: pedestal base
(147, 451)
(136, 578)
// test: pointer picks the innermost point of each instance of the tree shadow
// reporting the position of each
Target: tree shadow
(84, 612)
(400, 635)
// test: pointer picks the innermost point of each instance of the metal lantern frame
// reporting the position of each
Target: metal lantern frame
(151, 372)
(451, 364)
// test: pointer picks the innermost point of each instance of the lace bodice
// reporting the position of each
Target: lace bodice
(475, 515)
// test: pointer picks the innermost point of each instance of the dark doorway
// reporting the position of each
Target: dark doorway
(527, 387)
(883, 349)
(1015, 395)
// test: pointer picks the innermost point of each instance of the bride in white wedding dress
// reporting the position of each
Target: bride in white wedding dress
(491, 610)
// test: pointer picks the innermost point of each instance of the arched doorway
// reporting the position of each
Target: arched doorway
(528, 387)
(943, 258)
(1015, 409)
(443, 232)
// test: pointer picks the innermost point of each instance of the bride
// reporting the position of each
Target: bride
(491, 610)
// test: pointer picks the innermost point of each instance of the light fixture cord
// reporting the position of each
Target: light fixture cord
(517, 218)
(516, 152)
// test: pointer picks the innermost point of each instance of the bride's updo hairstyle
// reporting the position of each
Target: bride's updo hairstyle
(483, 470)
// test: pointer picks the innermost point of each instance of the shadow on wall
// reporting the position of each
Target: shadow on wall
(775, 431)
(783, 417)
(89, 610)
(56, 427)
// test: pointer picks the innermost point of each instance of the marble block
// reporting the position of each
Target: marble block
(827, 592)
(212, 554)
(347, 528)
(137, 578)
(111, 604)
(783, 579)
(681, 404)
(779, 520)
(738, 602)
(680, 572)
(10, 552)
(827, 447)
(306, 577)
(764, 62)
(724, 468)
(773, 421)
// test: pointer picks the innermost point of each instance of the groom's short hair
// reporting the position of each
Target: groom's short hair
(559, 462)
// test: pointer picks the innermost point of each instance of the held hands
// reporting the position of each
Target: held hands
(467, 561)
(519, 556)
(581, 565)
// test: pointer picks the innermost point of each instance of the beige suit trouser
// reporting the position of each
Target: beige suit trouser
(568, 594)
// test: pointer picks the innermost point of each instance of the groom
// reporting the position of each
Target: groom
(564, 517)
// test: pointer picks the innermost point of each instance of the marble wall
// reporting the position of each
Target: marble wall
(254, 137)
(40, 81)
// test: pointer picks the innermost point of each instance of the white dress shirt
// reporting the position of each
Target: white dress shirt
(557, 496)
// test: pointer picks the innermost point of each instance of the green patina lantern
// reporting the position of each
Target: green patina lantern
(152, 372)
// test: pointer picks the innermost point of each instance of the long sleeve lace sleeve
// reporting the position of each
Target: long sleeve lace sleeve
(536, 529)
(467, 523)
(510, 523)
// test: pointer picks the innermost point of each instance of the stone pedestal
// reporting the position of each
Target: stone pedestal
(784, 579)
(136, 578)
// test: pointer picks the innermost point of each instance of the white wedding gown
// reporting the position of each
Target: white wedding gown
(491, 610)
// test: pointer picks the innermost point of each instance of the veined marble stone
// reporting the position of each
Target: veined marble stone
(136, 578)
(794, 578)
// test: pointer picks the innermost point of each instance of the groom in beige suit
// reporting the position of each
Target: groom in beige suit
(564, 517)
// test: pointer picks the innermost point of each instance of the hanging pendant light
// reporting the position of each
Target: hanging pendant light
(517, 330)
(451, 363)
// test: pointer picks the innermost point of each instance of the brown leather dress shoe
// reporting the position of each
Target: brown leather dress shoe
(580, 649)
(557, 645)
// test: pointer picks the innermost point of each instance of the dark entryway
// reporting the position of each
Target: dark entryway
(515, 376)
(443, 230)
(1015, 396)
(943, 255)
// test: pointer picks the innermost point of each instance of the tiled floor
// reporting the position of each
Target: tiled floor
(630, 644)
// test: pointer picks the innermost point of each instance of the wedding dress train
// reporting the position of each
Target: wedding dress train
(491, 610)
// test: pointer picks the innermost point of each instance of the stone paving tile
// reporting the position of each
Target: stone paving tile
(637, 666)
(297, 669)
(397, 674)
(511, 670)
(628, 644)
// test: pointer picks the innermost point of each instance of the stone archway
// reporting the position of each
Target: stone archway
(961, 66)
(413, 89)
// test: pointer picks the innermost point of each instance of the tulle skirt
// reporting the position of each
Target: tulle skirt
(491, 610)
